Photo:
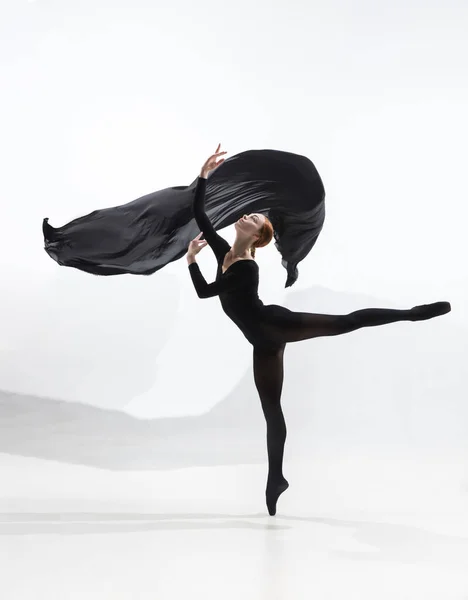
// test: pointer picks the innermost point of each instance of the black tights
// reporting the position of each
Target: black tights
(268, 376)
(268, 368)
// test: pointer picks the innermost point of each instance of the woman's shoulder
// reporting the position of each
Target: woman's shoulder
(232, 267)
(249, 261)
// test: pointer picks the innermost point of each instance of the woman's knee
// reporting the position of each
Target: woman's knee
(346, 323)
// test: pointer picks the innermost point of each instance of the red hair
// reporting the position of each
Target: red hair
(264, 238)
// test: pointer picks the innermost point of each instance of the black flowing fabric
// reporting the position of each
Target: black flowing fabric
(146, 234)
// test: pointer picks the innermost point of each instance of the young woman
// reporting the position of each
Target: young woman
(270, 328)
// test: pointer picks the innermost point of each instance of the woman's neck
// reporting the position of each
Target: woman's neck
(241, 248)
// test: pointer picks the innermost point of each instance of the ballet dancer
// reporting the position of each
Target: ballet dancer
(270, 327)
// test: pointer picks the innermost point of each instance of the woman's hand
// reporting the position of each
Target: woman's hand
(212, 163)
(195, 246)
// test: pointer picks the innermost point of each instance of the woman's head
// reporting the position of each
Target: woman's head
(255, 229)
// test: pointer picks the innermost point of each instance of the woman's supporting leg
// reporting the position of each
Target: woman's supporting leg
(302, 326)
(268, 375)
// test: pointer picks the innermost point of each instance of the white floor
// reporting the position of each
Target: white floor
(348, 528)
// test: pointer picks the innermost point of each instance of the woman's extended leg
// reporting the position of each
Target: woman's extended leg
(288, 326)
(268, 375)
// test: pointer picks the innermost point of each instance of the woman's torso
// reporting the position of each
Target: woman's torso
(258, 322)
(241, 303)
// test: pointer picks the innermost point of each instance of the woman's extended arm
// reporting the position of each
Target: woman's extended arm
(217, 243)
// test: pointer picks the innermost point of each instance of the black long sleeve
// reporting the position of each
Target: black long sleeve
(208, 290)
(218, 244)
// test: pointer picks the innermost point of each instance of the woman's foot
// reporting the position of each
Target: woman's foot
(273, 492)
(429, 311)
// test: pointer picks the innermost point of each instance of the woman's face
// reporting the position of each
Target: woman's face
(250, 225)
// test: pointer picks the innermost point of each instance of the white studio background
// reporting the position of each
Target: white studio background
(132, 443)
(104, 101)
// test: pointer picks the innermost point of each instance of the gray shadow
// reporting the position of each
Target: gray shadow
(102, 523)
(392, 542)
(387, 397)
(396, 543)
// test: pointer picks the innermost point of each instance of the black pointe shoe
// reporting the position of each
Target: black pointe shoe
(429, 311)
(273, 492)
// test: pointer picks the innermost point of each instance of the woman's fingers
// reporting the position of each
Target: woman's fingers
(217, 153)
(212, 162)
(198, 242)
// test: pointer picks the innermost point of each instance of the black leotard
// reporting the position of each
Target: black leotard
(237, 287)
(266, 327)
